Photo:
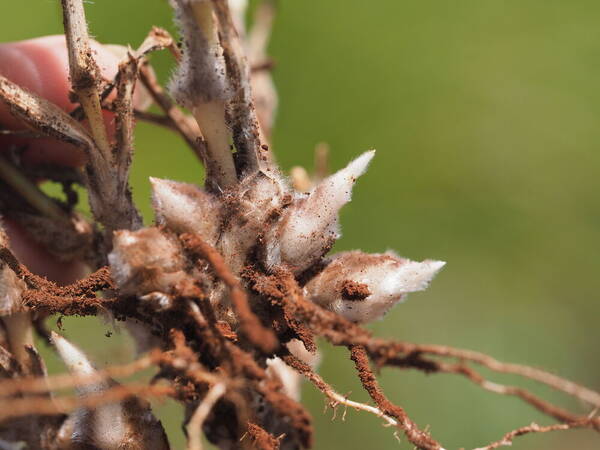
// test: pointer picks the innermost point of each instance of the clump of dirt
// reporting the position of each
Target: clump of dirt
(354, 291)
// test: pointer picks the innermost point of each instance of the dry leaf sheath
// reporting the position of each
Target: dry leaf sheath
(230, 289)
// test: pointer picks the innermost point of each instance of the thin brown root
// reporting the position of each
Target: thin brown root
(334, 397)
(19, 407)
(255, 331)
(549, 379)
(194, 426)
(535, 401)
(67, 381)
(421, 439)
(262, 439)
(507, 439)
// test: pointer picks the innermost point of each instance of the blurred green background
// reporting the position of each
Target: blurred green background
(485, 116)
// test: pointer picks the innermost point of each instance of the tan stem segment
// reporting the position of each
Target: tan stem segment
(210, 116)
(203, 14)
(19, 331)
(90, 101)
(30, 192)
(84, 71)
(211, 120)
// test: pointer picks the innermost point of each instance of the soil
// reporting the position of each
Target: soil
(353, 291)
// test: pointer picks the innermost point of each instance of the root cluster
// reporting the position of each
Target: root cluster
(230, 292)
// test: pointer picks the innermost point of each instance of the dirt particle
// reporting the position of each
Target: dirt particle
(353, 291)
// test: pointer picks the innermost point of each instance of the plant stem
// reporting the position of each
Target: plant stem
(210, 117)
(90, 101)
(84, 71)
(30, 192)
(19, 331)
